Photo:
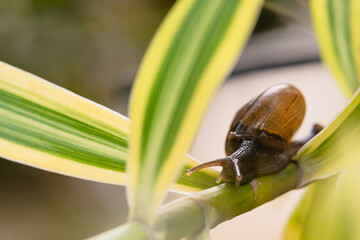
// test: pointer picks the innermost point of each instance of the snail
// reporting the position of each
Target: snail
(259, 140)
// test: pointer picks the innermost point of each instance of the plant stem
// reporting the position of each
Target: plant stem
(210, 207)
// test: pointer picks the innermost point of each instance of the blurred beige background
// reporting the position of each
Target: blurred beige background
(94, 47)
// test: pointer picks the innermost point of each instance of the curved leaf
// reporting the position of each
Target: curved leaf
(329, 210)
(191, 54)
(334, 148)
(48, 127)
(337, 25)
(51, 128)
(313, 211)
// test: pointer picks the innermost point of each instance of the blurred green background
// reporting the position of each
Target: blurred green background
(93, 48)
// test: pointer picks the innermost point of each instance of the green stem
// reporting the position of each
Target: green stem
(210, 207)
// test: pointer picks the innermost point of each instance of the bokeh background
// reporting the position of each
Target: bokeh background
(94, 48)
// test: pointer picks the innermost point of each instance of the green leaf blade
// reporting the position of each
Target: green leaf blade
(190, 55)
(337, 28)
(191, 69)
(45, 126)
(29, 124)
(335, 148)
(313, 210)
(48, 127)
(329, 209)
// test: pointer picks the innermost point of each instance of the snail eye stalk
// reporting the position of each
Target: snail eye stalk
(238, 177)
(221, 162)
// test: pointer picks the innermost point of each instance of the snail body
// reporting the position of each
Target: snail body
(259, 137)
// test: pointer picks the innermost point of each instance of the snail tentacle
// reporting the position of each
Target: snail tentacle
(238, 176)
(218, 162)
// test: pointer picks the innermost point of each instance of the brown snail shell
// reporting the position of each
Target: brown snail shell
(260, 134)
